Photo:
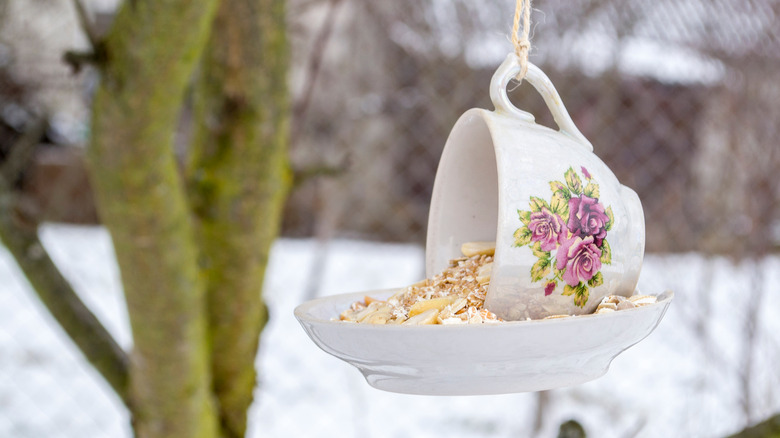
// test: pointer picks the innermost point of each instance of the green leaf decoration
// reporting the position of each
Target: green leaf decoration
(606, 253)
(560, 205)
(591, 190)
(581, 295)
(611, 217)
(569, 290)
(558, 273)
(597, 280)
(538, 253)
(522, 236)
(557, 186)
(573, 181)
(540, 269)
(538, 203)
(525, 216)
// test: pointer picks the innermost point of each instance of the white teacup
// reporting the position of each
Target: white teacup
(567, 232)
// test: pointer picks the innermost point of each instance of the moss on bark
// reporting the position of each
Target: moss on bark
(151, 52)
(238, 179)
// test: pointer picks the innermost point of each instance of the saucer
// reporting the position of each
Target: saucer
(500, 358)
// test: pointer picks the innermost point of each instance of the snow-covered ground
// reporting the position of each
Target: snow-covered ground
(696, 375)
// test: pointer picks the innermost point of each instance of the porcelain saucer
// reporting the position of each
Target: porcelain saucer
(499, 358)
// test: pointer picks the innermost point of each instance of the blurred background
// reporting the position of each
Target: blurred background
(681, 99)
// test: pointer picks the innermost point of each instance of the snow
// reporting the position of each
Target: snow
(686, 379)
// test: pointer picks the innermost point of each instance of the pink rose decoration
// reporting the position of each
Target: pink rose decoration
(581, 258)
(572, 227)
(587, 217)
(547, 228)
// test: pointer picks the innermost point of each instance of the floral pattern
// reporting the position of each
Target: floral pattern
(574, 225)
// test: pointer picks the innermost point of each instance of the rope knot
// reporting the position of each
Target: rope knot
(521, 43)
(522, 48)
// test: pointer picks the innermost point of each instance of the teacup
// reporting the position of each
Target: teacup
(567, 232)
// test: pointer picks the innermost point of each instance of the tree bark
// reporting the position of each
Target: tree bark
(238, 179)
(150, 53)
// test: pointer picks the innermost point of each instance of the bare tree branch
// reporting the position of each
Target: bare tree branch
(96, 55)
(78, 59)
(20, 236)
(303, 175)
(86, 24)
(313, 67)
(21, 153)
(542, 405)
(751, 328)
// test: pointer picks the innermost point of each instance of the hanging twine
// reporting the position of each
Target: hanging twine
(521, 42)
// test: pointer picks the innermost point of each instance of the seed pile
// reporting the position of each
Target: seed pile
(456, 296)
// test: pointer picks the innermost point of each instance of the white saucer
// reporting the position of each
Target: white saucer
(509, 357)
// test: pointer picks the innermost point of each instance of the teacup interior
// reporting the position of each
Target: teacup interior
(464, 204)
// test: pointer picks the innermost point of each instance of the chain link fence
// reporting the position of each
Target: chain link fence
(683, 111)
(679, 98)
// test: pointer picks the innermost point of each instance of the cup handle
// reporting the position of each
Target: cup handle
(508, 70)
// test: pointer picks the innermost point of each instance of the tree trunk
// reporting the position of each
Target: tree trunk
(149, 58)
(238, 179)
